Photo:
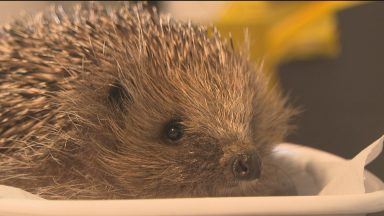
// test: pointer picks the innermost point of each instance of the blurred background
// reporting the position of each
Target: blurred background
(328, 56)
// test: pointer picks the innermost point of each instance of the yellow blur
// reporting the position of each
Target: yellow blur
(282, 31)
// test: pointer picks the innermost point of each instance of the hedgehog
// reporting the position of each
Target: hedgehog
(128, 103)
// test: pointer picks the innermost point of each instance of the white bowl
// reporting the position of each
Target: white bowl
(306, 163)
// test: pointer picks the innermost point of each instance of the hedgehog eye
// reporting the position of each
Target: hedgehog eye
(174, 130)
(117, 94)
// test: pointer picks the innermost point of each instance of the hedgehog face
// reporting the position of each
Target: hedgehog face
(171, 110)
(185, 133)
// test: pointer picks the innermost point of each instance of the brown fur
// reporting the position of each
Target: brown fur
(62, 136)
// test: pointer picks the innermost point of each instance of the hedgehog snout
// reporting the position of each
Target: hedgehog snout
(246, 166)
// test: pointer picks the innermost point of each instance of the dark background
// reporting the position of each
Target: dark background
(343, 98)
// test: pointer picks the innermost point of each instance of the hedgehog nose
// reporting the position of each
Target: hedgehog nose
(246, 166)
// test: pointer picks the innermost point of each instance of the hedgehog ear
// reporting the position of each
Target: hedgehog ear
(118, 96)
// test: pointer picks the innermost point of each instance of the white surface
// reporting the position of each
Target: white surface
(308, 166)
(7, 192)
(348, 177)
